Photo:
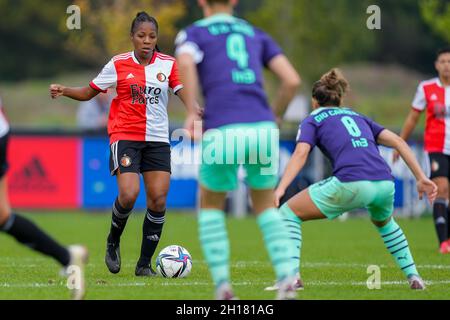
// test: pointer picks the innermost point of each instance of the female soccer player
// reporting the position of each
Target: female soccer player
(228, 55)
(25, 231)
(433, 96)
(361, 178)
(138, 131)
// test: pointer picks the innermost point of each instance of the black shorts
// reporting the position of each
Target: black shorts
(139, 156)
(439, 165)
(3, 150)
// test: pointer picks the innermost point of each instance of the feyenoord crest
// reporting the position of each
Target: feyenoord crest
(161, 77)
(125, 161)
(434, 166)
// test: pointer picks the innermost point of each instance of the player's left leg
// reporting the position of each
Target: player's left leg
(392, 234)
(439, 174)
(282, 242)
(397, 245)
(30, 235)
(156, 187)
(277, 238)
(448, 208)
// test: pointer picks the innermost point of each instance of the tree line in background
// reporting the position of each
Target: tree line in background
(35, 41)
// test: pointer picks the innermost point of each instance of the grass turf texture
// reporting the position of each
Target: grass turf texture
(335, 258)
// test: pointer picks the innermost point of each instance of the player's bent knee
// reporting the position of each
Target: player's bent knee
(443, 193)
(157, 202)
(5, 213)
(381, 224)
(127, 199)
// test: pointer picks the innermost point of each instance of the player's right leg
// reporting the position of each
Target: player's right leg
(214, 241)
(124, 163)
(216, 178)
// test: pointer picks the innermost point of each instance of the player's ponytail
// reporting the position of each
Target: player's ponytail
(144, 17)
(330, 89)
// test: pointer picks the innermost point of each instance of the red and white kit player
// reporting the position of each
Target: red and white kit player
(433, 98)
(139, 112)
(138, 128)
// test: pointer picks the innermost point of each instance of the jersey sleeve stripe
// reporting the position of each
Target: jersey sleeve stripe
(165, 56)
(96, 88)
(178, 88)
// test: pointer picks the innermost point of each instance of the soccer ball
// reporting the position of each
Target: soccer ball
(174, 262)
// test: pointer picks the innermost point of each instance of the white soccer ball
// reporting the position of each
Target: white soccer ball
(174, 262)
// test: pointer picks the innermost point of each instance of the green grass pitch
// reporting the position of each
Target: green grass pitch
(335, 258)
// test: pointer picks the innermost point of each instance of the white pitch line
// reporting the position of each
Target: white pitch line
(205, 283)
(249, 264)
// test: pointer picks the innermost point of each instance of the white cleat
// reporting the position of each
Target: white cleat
(298, 285)
(224, 292)
(416, 282)
(287, 290)
(75, 271)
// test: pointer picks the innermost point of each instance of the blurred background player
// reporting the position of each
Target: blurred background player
(25, 231)
(227, 56)
(433, 96)
(361, 178)
(139, 134)
(92, 115)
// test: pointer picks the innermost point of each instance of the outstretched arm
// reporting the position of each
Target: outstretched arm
(80, 94)
(294, 166)
(424, 185)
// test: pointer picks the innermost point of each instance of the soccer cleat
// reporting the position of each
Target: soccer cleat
(298, 285)
(145, 271)
(416, 282)
(78, 259)
(112, 257)
(286, 290)
(445, 247)
(224, 292)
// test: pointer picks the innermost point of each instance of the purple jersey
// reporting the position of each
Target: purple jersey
(348, 139)
(230, 55)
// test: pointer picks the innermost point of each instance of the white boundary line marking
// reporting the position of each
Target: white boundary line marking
(249, 264)
(205, 283)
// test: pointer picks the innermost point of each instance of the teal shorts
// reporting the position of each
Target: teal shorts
(255, 146)
(334, 198)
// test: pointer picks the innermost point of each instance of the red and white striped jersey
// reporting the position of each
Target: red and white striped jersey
(4, 125)
(433, 97)
(139, 111)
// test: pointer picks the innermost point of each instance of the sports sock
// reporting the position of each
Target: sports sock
(215, 244)
(276, 238)
(118, 221)
(440, 219)
(396, 243)
(27, 233)
(448, 223)
(151, 234)
(295, 233)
